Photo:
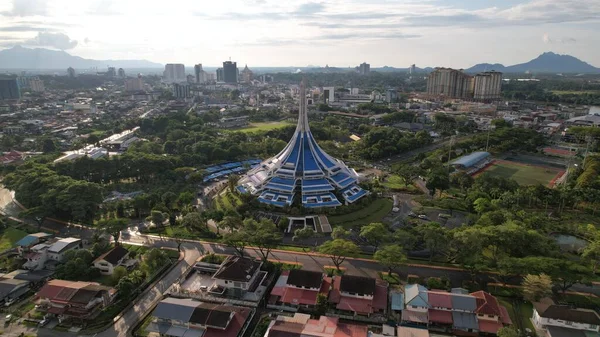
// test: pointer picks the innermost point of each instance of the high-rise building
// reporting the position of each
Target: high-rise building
(247, 75)
(181, 91)
(230, 72)
(71, 72)
(174, 73)
(412, 69)
(36, 85)
(199, 73)
(121, 73)
(112, 72)
(488, 86)
(220, 76)
(190, 79)
(328, 95)
(450, 83)
(134, 84)
(9, 89)
(364, 68)
(391, 95)
(303, 170)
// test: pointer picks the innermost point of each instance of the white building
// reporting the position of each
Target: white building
(328, 95)
(115, 257)
(487, 86)
(237, 273)
(36, 85)
(51, 250)
(174, 73)
(134, 84)
(563, 320)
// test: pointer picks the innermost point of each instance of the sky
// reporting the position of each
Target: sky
(450, 33)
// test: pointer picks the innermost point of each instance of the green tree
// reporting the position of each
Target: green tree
(262, 234)
(195, 221)
(114, 227)
(434, 236)
(391, 256)
(438, 179)
(232, 181)
(338, 250)
(153, 260)
(375, 234)
(536, 287)
(408, 173)
(591, 254)
(157, 217)
(237, 240)
(303, 233)
(340, 232)
(508, 331)
(118, 273)
(37, 214)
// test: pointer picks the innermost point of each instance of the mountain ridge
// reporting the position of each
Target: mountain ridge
(19, 57)
(547, 62)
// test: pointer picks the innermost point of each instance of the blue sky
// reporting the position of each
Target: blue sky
(453, 33)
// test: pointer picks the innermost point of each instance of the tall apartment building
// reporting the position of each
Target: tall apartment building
(36, 85)
(488, 86)
(199, 73)
(71, 72)
(450, 83)
(364, 68)
(230, 72)
(9, 89)
(121, 72)
(220, 77)
(134, 84)
(181, 91)
(174, 73)
(328, 95)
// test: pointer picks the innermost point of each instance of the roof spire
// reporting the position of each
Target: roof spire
(302, 113)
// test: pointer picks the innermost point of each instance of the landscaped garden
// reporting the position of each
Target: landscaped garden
(374, 212)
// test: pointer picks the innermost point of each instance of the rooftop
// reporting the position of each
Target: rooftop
(237, 268)
(114, 255)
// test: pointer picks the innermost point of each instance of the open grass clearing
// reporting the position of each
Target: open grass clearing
(374, 212)
(254, 127)
(10, 236)
(523, 174)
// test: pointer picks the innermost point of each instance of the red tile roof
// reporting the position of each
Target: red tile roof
(351, 330)
(440, 299)
(505, 317)
(334, 294)
(299, 296)
(440, 316)
(358, 305)
(486, 304)
(489, 326)
(380, 298)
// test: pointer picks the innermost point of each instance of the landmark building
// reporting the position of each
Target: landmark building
(302, 170)
(230, 72)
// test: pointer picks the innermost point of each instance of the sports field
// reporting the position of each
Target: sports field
(263, 126)
(524, 174)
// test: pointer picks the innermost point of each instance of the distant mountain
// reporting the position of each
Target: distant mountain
(546, 63)
(39, 58)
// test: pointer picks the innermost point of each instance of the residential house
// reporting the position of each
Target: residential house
(299, 288)
(108, 261)
(564, 321)
(237, 275)
(404, 331)
(357, 295)
(73, 299)
(11, 157)
(456, 312)
(188, 317)
(30, 240)
(11, 289)
(53, 250)
(57, 251)
(303, 325)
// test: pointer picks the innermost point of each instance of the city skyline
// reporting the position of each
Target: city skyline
(452, 33)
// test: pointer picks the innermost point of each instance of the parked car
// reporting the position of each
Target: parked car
(423, 217)
(444, 216)
(412, 214)
(44, 322)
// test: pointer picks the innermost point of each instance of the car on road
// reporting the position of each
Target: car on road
(412, 214)
(44, 322)
(423, 217)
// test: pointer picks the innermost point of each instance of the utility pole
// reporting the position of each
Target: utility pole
(450, 152)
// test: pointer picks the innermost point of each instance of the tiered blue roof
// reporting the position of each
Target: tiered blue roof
(302, 160)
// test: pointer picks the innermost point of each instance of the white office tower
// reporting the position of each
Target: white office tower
(174, 73)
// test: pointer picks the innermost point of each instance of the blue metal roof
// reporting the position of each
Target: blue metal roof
(464, 320)
(26, 241)
(471, 159)
(397, 301)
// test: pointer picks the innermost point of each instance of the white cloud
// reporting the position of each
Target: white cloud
(52, 40)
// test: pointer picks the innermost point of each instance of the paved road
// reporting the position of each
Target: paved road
(149, 299)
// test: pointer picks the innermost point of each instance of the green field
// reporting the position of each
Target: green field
(524, 175)
(10, 237)
(253, 127)
(396, 183)
(375, 212)
(223, 202)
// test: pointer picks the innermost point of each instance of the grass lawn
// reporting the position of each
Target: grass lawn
(10, 237)
(253, 127)
(374, 212)
(223, 203)
(396, 183)
(526, 310)
(523, 174)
